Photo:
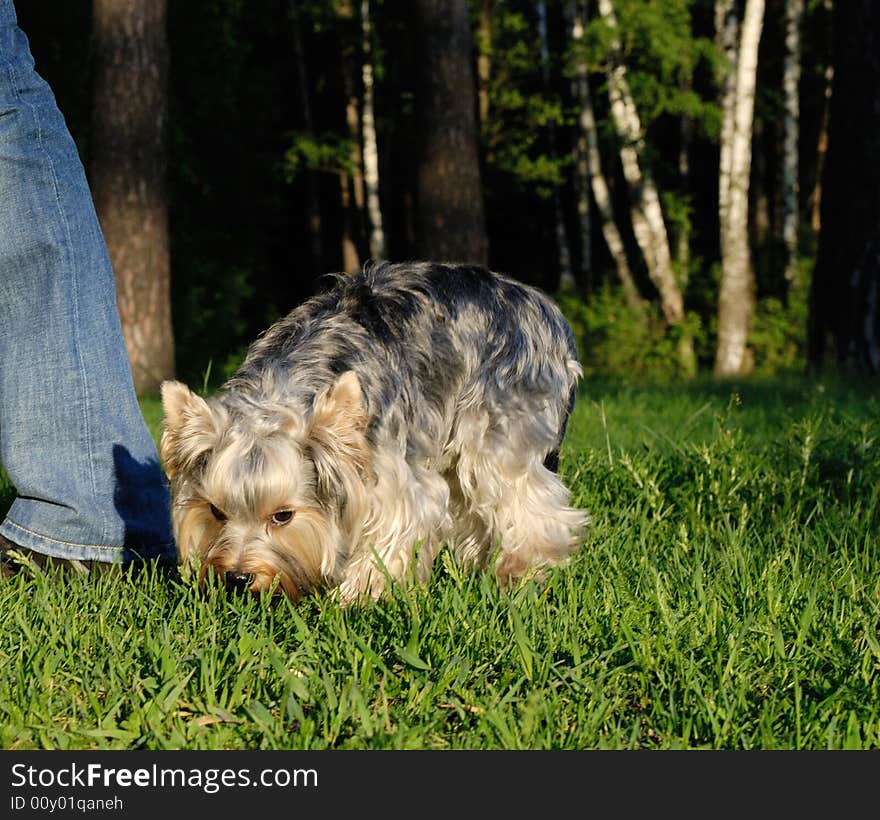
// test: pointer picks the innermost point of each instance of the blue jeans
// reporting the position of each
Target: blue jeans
(72, 437)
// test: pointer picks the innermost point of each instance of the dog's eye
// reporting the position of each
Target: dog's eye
(282, 517)
(218, 514)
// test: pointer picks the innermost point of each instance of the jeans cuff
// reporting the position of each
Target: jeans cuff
(55, 548)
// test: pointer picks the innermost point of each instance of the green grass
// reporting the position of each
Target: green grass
(728, 596)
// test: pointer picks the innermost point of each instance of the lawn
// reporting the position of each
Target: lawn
(727, 596)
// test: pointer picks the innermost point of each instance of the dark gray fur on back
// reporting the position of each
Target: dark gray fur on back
(426, 341)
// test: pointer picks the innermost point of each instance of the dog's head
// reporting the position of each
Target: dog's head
(265, 495)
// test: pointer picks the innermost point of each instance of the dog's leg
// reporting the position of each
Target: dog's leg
(524, 506)
(407, 515)
(537, 526)
(470, 538)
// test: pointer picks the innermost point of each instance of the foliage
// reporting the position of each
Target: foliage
(726, 598)
(617, 340)
(636, 344)
(328, 153)
(233, 227)
(214, 318)
(239, 210)
(779, 331)
(522, 109)
(662, 53)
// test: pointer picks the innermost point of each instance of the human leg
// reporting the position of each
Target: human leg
(72, 437)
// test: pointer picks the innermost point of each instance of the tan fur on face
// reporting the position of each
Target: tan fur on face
(248, 470)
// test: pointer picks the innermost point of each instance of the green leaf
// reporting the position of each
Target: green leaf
(411, 658)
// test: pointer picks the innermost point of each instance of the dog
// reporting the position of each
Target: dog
(411, 406)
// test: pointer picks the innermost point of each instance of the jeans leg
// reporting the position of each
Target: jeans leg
(72, 437)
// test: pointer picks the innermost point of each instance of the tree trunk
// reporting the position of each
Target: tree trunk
(683, 242)
(128, 173)
(576, 12)
(845, 293)
(647, 215)
(815, 198)
(588, 142)
(566, 277)
(736, 294)
(484, 58)
(351, 260)
(371, 149)
(351, 185)
(791, 75)
(761, 219)
(821, 151)
(450, 218)
(313, 207)
(726, 37)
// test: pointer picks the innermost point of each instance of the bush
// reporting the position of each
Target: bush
(779, 330)
(617, 340)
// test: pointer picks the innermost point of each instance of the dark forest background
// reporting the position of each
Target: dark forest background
(260, 165)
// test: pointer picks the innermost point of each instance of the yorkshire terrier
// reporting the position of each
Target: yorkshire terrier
(411, 406)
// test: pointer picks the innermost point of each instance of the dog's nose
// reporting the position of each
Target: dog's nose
(238, 581)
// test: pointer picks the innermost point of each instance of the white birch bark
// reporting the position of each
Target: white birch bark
(589, 172)
(371, 151)
(351, 185)
(647, 215)
(791, 75)
(683, 245)
(726, 35)
(736, 295)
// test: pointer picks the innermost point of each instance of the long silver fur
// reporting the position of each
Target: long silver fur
(412, 406)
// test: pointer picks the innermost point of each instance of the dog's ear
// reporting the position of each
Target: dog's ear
(337, 428)
(191, 427)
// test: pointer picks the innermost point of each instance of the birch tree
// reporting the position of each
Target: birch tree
(371, 149)
(351, 180)
(683, 247)
(588, 168)
(791, 75)
(736, 293)
(726, 40)
(647, 216)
